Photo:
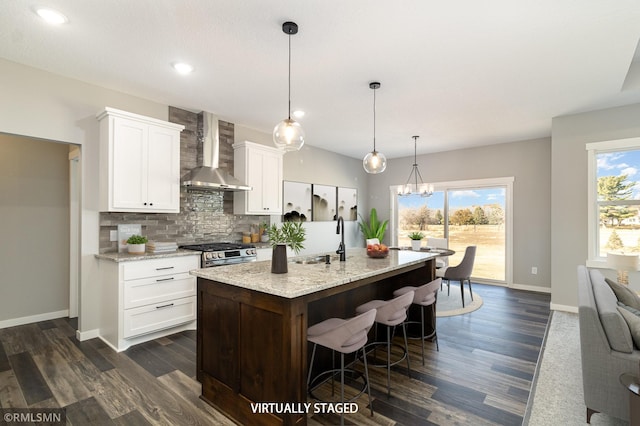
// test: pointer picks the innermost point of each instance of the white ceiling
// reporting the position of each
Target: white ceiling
(458, 73)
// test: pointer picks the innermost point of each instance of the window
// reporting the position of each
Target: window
(467, 213)
(614, 197)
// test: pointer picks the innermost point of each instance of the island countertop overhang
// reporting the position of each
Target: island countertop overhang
(305, 279)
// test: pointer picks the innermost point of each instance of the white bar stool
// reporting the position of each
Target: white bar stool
(424, 296)
(344, 336)
(390, 313)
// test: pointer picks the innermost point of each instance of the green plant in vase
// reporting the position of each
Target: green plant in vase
(290, 234)
(136, 244)
(373, 228)
(416, 240)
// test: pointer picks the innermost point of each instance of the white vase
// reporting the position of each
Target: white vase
(415, 245)
(136, 248)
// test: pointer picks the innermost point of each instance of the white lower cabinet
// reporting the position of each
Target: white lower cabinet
(158, 316)
(146, 299)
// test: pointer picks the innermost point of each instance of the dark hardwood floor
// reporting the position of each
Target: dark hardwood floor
(481, 376)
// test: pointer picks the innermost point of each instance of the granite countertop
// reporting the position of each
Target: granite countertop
(126, 257)
(305, 279)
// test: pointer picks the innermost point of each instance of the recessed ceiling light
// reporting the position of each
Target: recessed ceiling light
(51, 16)
(183, 68)
(298, 113)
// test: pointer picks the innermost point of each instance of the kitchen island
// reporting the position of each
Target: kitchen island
(251, 339)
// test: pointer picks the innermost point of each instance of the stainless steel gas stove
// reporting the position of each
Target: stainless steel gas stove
(217, 254)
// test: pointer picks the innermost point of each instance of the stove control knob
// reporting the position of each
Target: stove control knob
(248, 252)
(207, 255)
(220, 255)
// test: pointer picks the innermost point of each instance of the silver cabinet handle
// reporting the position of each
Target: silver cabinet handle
(164, 279)
(165, 268)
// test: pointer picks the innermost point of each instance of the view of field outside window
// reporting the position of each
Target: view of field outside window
(475, 217)
(618, 202)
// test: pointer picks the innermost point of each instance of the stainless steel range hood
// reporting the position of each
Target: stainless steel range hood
(209, 176)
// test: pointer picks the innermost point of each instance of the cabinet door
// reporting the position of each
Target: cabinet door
(261, 167)
(255, 174)
(129, 166)
(163, 177)
(272, 183)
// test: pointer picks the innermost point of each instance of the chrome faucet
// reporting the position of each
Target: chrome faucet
(341, 249)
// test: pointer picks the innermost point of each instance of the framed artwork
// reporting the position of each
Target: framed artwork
(296, 201)
(348, 203)
(324, 203)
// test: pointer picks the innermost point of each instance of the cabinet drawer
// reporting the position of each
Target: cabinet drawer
(157, 267)
(147, 291)
(158, 316)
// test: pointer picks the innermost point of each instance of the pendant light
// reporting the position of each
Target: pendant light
(288, 134)
(412, 186)
(374, 162)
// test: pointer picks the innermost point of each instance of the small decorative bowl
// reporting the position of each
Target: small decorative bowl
(377, 254)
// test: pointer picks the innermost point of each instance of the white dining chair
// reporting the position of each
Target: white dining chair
(442, 243)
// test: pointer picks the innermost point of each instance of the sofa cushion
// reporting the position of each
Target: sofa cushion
(614, 325)
(633, 320)
(624, 294)
(629, 308)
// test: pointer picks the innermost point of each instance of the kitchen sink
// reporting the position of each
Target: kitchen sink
(315, 260)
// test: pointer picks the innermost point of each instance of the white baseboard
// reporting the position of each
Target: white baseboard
(115, 349)
(531, 288)
(34, 318)
(564, 308)
(86, 335)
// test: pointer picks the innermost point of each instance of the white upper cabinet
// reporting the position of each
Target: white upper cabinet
(261, 168)
(139, 163)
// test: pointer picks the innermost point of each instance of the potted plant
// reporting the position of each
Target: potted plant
(374, 228)
(290, 234)
(416, 240)
(136, 244)
(264, 236)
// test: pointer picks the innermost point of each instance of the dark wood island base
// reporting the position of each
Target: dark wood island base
(252, 346)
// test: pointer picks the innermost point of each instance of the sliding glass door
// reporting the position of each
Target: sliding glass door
(466, 213)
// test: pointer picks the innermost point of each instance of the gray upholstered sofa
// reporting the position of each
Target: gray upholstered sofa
(606, 347)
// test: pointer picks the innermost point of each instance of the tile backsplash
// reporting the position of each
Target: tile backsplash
(204, 215)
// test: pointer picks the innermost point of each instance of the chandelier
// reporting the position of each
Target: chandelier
(413, 186)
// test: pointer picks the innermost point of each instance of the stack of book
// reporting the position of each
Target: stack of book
(159, 247)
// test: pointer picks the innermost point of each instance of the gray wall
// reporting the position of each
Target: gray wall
(44, 105)
(34, 207)
(529, 162)
(569, 190)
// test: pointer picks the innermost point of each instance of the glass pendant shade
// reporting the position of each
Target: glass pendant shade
(288, 135)
(374, 162)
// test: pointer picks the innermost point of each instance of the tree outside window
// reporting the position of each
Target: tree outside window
(618, 200)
